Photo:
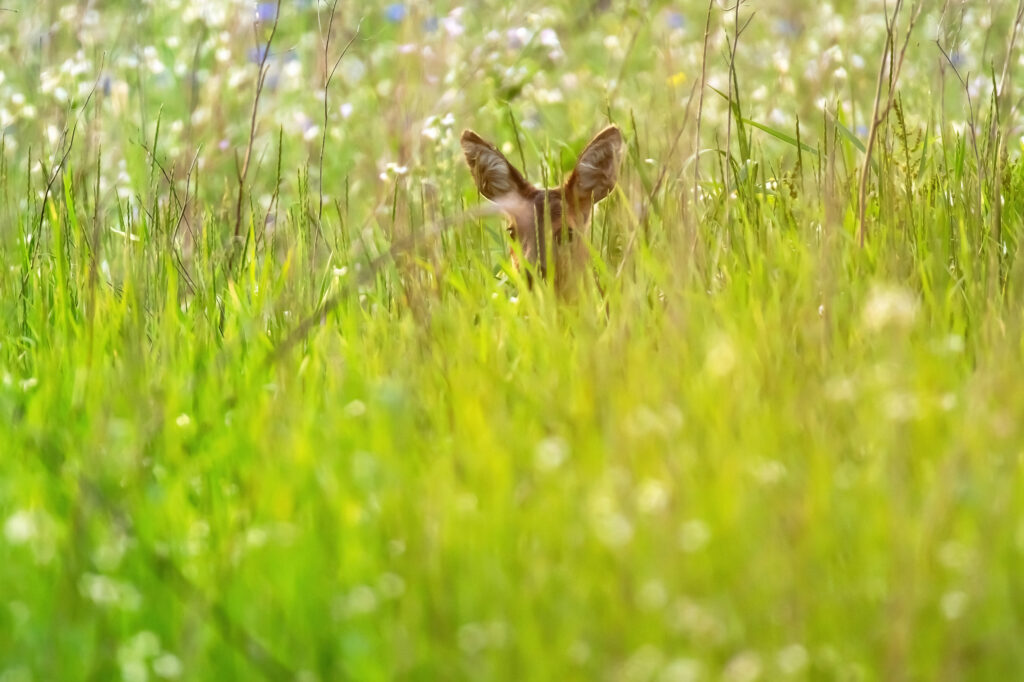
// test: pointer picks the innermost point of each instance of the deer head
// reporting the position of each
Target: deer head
(536, 214)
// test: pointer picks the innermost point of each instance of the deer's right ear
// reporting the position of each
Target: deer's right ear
(495, 177)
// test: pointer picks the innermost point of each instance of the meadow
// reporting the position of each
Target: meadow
(275, 405)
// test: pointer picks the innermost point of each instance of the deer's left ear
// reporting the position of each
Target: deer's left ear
(597, 169)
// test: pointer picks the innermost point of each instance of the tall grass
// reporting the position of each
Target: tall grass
(351, 444)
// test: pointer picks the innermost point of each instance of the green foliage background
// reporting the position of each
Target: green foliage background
(338, 438)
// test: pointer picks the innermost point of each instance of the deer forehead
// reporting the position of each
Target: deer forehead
(517, 207)
(526, 207)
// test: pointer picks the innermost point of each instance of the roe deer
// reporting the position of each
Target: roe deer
(531, 210)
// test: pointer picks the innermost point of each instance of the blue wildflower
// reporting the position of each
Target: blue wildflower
(256, 54)
(395, 12)
(787, 28)
(266, 11)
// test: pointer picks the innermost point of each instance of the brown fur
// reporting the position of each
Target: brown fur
(561, 212)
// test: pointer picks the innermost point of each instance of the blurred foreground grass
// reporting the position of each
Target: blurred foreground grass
(763, 452)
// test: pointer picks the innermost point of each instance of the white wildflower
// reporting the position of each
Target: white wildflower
(889, 306)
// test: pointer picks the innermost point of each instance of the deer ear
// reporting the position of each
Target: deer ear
(597, 169)
(495, 177)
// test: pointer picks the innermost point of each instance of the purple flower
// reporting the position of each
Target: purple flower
(675, 19)
(256, 54)
(395, 12)
(266, 11)
(787, 28)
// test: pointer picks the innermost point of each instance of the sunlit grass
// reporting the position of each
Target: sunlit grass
(352, 444)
